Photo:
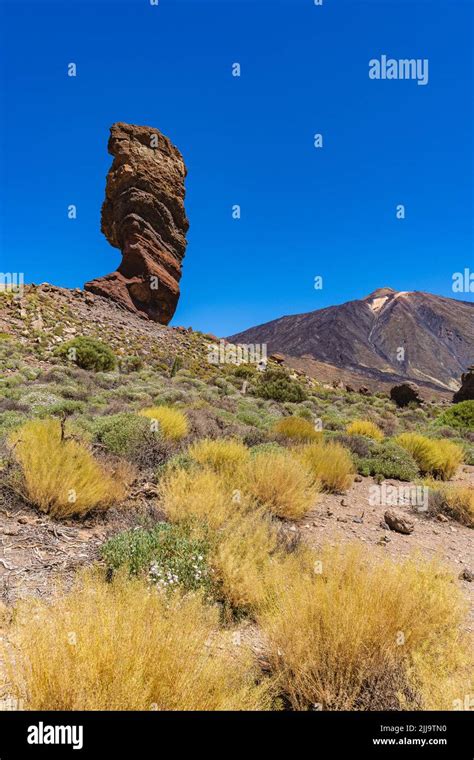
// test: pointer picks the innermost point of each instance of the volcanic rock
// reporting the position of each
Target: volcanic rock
(466, 391)
(143, 215)
(398, 522)
(404, 394)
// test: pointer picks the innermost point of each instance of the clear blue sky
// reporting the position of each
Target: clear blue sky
(248, 141)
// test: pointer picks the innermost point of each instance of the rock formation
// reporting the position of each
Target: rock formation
(143, 215)
(466, 391)
(405, 394)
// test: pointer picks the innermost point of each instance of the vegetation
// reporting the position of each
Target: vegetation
(280, 485)
(277, 385)
(59, 475)
(171, 423)
(440, 458)
(330, 464)
(88, 353)
(221, 455)
(365, 427)
(458, 416)
(297, 429)
(116, 646)
(388, 460)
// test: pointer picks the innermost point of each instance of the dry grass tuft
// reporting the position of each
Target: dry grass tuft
(280, 484)
(348, 633)
(330, 463)
(297, 428)
(222, 455)
(440, 458)
(60, 476)
(124, 646)
(455, 500)
(365, 427)
(172, 423)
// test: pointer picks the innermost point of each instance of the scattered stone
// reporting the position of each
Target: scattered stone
(466, 575)
(398, 522)
(342, 519)
(358, 479)
(344, 503)
(441, 517)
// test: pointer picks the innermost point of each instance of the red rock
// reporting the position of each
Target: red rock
(143, 215)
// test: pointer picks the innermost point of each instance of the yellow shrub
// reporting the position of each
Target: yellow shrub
(122, 646)
(330, 463)
(62, 477)
(199, 495)
(222, 455)
(365, 427)
(351, 633)
(436, 457)
(172, 423)
(456, 500)
(296, 428)
(242, 558)
(280, 484)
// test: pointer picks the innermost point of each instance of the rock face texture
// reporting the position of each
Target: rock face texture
(466, 391)
(405, 393)
(143, 215)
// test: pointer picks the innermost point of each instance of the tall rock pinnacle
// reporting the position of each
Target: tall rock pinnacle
(143, 215)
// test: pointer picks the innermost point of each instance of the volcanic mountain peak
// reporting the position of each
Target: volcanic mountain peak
(389, 336)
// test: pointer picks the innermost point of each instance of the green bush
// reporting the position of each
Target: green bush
(276, 384)
(130, 435)
(167, 554)
(459, 416)
(388, 460)
(88, 353)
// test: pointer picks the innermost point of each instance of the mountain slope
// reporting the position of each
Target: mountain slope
(388, 334)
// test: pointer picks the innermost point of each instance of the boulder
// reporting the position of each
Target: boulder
(466, 391)
(143, 215)
(405, 393)
(398, 522)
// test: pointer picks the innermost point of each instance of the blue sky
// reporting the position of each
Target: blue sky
(305, 212)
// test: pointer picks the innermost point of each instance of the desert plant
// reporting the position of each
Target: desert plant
(200, 495)
(351, 633)
(276, 384)
(330, 463)
(131, 436)
(167, 554)
(280, 484)
(172, 423)
(120, 646)
(388, 460)
(221, 455)
(459, 416)
(440, 458)
(365, 427)
(60, 475)
(297, 429)
(456, 501)
(88, 353)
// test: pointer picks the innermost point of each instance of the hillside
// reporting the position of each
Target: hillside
(436, 335)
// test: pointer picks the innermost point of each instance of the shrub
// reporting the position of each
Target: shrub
(132, 649)
(329, 463)
(221, 454)
(359, 634)
(359, 445)
(200, 495)
(365, 427)
(296, 428)
(457, 501)
(389, 460)
(277, 385)
(60, 475)
(242, 558)
(129, 435)
(173, 423)
(280, 485)
(88, 353)
(459, 416)
(440, 458)
(167, 554)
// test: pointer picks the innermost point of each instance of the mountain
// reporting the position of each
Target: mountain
(386, 336)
